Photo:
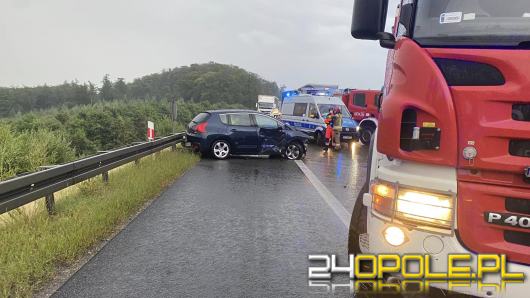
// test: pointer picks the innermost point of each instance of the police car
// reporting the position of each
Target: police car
(307, 113)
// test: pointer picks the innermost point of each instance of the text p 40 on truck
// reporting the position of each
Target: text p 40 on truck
(449, 170)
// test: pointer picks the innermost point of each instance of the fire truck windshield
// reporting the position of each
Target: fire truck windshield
(482, 23)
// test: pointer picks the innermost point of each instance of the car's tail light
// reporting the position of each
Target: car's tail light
(201, 128)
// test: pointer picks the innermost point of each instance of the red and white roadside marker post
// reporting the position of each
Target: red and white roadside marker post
(150, 131)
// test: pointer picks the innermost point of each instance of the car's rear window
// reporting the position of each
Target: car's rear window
(201, 118)
(223, 118)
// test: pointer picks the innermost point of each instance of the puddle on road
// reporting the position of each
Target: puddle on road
(343, 172)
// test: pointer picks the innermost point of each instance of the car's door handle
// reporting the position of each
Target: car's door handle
(233, 129)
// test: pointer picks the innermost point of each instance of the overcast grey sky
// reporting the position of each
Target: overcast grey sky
(292, 42)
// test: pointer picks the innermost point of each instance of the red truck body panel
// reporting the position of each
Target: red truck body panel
(417, 83)
(485, 120)
(476, 116)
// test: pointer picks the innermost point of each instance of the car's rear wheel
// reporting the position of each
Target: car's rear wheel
(220, 149)
(294, 151)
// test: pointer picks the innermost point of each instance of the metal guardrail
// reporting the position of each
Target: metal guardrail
(20, 191)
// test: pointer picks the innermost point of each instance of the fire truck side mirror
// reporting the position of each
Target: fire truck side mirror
(387, 40)
(369, 18)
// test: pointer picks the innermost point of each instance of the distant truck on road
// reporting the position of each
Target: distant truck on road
(364, 108)
(267, 104)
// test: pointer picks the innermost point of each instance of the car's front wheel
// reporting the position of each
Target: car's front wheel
(294, 151)
(220, 149)
(319, 138)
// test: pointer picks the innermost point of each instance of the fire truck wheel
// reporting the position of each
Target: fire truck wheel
(358, 222)
(358, 225)
(365, 136)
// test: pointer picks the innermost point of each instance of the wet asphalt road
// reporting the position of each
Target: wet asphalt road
(241, 227)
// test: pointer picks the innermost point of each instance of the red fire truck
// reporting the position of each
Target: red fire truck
(449, 166)
(364, 107)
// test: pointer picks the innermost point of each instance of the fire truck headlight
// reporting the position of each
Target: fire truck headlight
(394, 236)
(425, 207)
(421, 207)
(383, 197)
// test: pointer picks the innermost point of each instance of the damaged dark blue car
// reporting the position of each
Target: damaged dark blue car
(223, 133)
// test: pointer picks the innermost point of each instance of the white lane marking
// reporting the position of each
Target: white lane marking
(328, 197)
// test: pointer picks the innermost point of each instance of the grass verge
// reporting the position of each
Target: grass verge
(34, 246)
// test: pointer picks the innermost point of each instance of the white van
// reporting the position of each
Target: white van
(307, 113)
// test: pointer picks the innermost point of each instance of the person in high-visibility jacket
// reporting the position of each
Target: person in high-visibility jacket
(337, 127)
(329, 130)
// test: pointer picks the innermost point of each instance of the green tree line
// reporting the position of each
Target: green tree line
(63, 134)
(210, 82)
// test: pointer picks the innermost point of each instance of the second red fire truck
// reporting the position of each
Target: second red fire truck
(364, 108)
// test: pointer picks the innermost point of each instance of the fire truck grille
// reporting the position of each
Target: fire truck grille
(518, 206)
(469, 73)
(515, 237)
(478, 234)
(521, 112)
(520, 148)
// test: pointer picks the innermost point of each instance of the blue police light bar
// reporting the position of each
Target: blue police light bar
(290, 93)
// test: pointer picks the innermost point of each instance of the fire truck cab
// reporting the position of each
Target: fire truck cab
(364, 108)
(449, 164)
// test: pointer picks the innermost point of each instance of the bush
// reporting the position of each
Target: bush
(63, 134)
(26, 151)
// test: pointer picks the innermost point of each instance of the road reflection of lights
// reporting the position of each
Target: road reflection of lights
(353, 147)
(339, 165)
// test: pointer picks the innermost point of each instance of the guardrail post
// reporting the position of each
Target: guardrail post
(174, 147)
(18, 192)
(105, 176)
(50, 204)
